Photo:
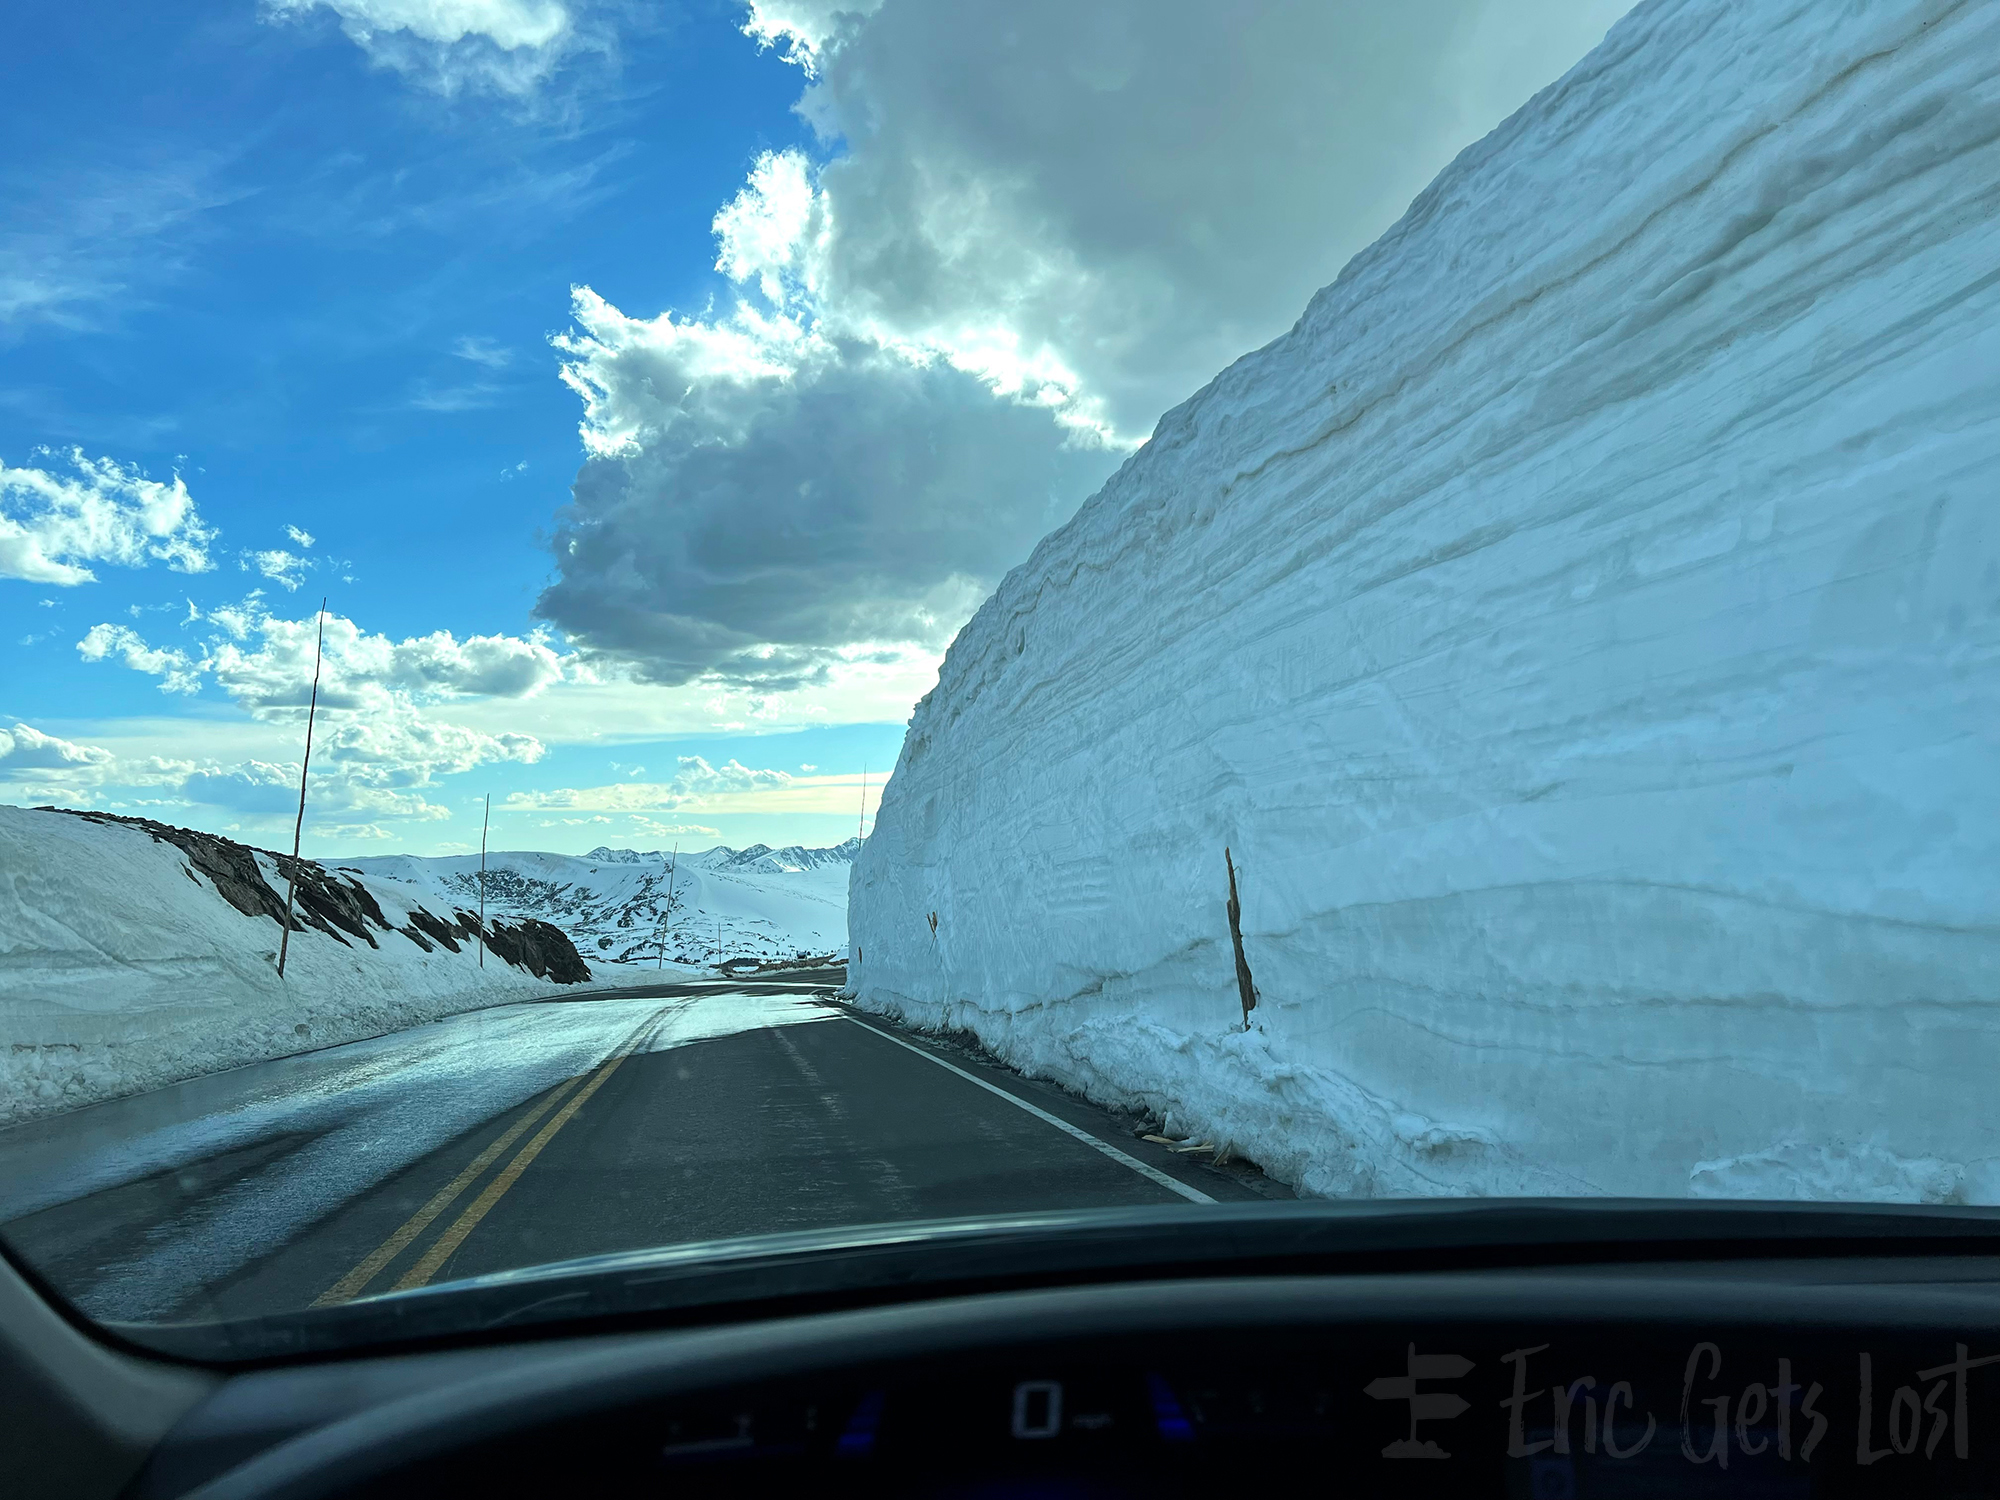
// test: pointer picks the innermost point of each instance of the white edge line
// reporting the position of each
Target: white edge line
(1154, 1174)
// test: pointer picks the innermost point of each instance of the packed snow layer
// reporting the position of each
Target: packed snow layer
(1583, 629)
(122, 968)
(618, 905)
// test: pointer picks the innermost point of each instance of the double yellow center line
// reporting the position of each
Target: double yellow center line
(351, 1285)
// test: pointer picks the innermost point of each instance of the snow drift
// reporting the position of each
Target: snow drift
(1582, 628)
(133, 955)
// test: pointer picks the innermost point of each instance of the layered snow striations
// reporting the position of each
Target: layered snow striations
(1583, 629)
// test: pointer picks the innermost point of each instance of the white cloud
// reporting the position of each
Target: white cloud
(452, 46)
(53, 525)
(803, 28)
(656, 829)
(178, 673)
(264, 789)
(696, 783)
(25, 748)
(378, 739)
(1036, 226)
(286, 569)
(265, 662)
(299, 538)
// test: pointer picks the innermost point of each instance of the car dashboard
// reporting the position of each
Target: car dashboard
(1775, 1377)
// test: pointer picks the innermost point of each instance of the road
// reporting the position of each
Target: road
(544, 1131)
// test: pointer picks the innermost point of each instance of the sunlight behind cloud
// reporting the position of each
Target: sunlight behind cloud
(1023, 233)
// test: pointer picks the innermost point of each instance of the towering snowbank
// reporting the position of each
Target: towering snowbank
(130, 960)
(618, 904)
(1584, 629)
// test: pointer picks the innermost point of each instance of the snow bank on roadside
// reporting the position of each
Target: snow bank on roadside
(1583, 628)
(124, 968)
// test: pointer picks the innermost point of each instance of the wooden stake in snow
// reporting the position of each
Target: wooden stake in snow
(298, 828)
(1246, 990)
(484, 823)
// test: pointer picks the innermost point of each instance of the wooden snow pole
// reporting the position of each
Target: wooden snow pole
(298, 828)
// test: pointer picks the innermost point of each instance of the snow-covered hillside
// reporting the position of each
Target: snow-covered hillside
(132, 956)
(1583, 629)
(769, 903)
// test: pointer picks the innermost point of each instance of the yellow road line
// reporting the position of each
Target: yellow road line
(448, 1242)
(350, 1285)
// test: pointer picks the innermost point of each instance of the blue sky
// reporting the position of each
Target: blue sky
(658, 386)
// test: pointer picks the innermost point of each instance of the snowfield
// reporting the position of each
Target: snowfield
(1583, 629)
(771, 903)
(124, 968)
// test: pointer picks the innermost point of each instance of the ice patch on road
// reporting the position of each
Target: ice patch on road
(367, 1110)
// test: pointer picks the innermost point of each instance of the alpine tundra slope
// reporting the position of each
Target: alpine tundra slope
(620, 906)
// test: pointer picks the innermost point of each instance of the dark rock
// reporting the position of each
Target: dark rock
(544, 951)
(336, 906)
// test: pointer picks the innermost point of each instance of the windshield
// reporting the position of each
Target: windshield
(691, 634)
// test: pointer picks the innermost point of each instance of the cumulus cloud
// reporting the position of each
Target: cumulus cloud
(177, 671)
(761, 502)
(1028, 230)
(453, 46)
(299, 537)
(54, 524)
(26, 749)
(263, 661)
(694, 783)
(260, 789)
(379, 737)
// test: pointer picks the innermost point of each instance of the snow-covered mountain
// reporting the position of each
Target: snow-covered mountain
(757, 859)
(621, 905)
(1583, 631)
(134, 954)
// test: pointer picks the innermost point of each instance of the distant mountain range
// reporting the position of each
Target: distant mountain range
(633, 906)
(758, 858)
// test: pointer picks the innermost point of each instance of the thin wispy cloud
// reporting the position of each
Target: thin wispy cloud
(483, 352)
(82, 245)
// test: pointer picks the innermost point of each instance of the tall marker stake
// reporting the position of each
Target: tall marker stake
(312, 709)
(862, 821)
(484, 824)
(667, 915)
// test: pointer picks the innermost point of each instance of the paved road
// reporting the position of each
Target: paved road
(540, 1132)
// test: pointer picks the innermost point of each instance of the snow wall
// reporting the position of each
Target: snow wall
(1581, 627)
(123, 968)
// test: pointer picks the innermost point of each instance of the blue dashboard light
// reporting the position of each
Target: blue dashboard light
(1167, 1414)
(857, 1438)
